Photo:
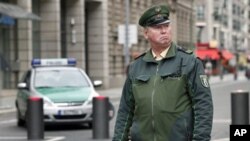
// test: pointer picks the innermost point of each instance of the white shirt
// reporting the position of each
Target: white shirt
(162, 55)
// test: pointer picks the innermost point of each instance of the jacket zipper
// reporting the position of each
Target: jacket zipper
(153, 93)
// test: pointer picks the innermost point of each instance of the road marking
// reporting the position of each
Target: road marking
(11, 138)
(23, 138)
(223, 139)
(222, 121)
(3, 111)
(8, 121)
(56, 138)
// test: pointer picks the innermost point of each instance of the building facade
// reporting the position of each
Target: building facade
(83, 29)
(223, 27)
(224, 21)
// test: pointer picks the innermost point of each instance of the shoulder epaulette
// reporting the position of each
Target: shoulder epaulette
(199, 58)
(188, 51)
(140, 55)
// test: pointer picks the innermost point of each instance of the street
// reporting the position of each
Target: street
(221, 90)
(10, 132)
(222, 107)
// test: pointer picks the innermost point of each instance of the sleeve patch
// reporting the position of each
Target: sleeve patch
(204, 81)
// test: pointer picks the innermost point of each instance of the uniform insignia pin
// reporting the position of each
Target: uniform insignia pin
(157, 9)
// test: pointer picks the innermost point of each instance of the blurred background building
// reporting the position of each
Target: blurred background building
(88, 30)
(223, 33)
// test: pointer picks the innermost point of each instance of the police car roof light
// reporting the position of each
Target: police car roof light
(72, 61)
(53, 62)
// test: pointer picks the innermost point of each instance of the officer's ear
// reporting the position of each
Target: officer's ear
(145, 32)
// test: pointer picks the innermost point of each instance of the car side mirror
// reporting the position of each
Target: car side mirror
(97, 83)
(22, 85)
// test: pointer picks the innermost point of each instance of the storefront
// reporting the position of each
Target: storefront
(218, 58)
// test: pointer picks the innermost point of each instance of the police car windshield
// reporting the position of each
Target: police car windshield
(59, 78)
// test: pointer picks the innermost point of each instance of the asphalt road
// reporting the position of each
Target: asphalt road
(221, 90)
(222, 107)
(10, 132)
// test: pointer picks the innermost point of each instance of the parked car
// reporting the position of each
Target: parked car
(66, 90)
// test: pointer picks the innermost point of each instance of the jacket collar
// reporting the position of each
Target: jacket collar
(171, 53)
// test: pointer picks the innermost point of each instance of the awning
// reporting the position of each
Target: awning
(227, 54)
(16, 12)
(212, 54)
(6, 20)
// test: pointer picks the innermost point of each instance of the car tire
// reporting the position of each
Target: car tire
(20, 121)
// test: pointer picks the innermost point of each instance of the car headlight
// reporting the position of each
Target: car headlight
(90, 102)
(46, 103)
(90, 99)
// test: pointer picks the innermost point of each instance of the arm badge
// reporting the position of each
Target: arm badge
(204, 81)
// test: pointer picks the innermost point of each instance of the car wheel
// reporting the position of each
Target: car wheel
(20, 121)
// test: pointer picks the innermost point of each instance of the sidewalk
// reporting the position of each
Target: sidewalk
(115, 93)
(7, 97)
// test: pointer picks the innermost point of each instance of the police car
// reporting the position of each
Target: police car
(66, 90)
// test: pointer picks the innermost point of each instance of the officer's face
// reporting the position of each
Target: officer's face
(159, 35)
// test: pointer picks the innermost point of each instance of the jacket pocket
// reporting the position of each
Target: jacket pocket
(142, 79)
(142, 90)
(172, 92)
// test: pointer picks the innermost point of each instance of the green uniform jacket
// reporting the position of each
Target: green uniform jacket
(167, 100)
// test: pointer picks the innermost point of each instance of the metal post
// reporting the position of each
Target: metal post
(240, 107)
(236, 67)
(126, 45)
(1, 81)
(35, 123)
(100, 117)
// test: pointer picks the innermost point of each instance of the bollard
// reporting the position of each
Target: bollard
(35, 121)
(240, 107)
(100, 117)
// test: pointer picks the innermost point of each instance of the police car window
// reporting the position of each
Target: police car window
(60, 78)
(26, 77)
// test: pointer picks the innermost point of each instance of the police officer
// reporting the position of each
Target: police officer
(166, 96)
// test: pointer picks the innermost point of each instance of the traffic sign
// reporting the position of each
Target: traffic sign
(132, 34)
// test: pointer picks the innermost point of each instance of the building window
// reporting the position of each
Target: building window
(200, 12)
(224, 20)
(216, 14)
(214, 32)
(236, 25)
(234, 9)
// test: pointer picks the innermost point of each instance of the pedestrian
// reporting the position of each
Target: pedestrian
(208, 68)
(166, 96)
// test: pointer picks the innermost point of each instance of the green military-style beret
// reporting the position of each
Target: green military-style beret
(158, 14)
